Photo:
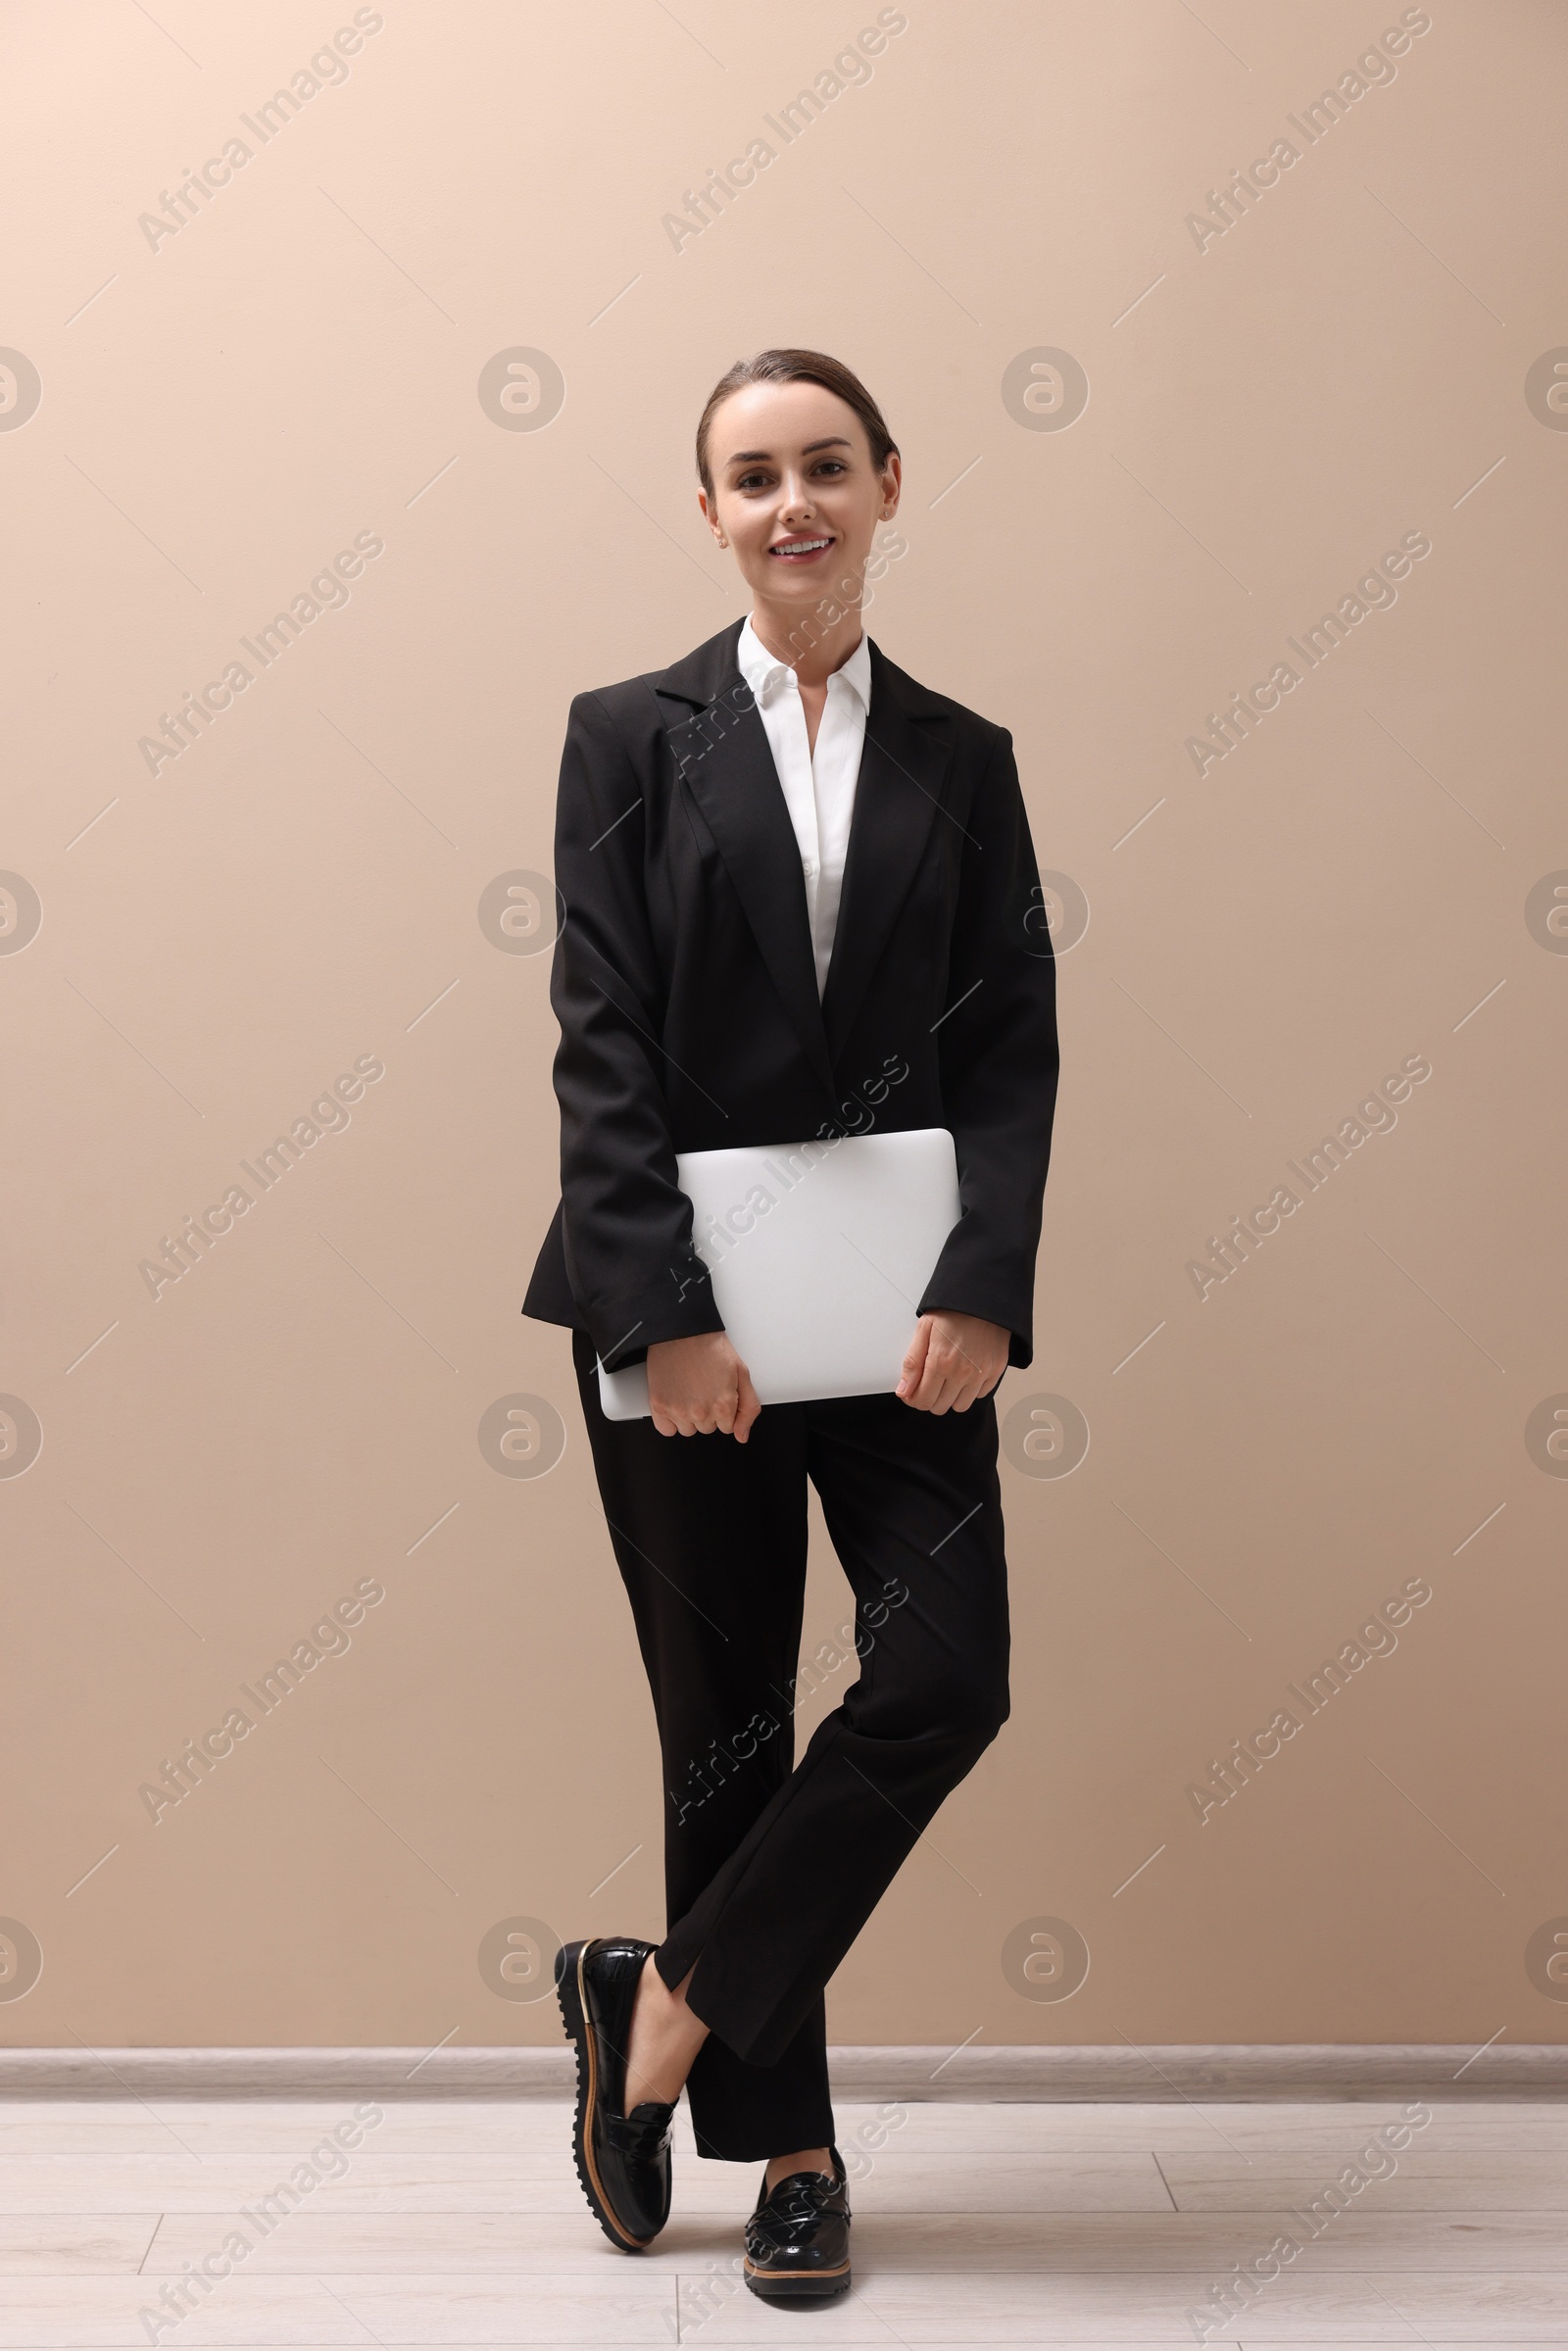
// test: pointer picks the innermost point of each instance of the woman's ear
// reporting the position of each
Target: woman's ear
(706, 505)
(892, 485)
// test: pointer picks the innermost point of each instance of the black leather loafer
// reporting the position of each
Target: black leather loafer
(798, 2239)
(622, 2159)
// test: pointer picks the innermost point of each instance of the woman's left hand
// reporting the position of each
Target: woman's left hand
(952, 1359)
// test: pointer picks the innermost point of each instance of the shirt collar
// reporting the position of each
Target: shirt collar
(765, 675)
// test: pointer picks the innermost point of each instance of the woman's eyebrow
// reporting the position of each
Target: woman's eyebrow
(757, 456)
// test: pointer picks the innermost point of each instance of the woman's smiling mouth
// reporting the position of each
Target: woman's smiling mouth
(799, 551)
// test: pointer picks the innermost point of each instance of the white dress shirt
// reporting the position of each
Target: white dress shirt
(818, 787)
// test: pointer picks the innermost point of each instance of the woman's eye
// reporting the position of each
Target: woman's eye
(832, 464)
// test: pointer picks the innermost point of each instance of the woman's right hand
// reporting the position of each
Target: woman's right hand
(696, 1386)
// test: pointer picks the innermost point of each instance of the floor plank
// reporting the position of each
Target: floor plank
(1010, 2309)
(329, 2245)
(1423, 2182)
(1525, 2127)
(39, 2245)
(540, 2178)
(626, 2306)
(80, 2126)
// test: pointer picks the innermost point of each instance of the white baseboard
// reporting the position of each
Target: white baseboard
(1217, 2073)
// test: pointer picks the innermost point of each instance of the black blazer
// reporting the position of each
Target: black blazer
(686, 992)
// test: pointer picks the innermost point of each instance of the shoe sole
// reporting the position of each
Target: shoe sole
(572, 1995)
(797, 2286)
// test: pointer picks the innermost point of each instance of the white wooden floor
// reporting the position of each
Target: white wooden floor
(462, 2224)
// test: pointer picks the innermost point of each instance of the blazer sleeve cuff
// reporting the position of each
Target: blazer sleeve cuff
(1010, 1313)
(623, 1329)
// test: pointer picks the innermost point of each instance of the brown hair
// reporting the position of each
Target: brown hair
(796, 366)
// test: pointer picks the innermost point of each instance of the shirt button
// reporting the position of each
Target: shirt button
(808, 867)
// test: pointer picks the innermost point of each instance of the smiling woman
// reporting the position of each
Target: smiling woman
(832, 872)
(833, 563)
(773, 407)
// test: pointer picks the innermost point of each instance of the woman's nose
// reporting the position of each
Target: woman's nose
(798, 501)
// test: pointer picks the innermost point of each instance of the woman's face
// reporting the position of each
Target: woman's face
(795, 492)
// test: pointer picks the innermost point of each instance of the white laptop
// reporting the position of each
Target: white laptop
(818, 1253)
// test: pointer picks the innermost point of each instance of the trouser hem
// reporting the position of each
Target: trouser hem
(815, 2130)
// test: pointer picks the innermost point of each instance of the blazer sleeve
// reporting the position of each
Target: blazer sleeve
(998, 1063)
(626, 1227)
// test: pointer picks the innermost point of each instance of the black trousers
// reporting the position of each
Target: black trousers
(771, 1867)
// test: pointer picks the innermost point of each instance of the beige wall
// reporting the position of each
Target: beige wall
(317, 879)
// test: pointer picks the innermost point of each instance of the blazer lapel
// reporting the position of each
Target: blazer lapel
(904, 766)
(722, 756)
